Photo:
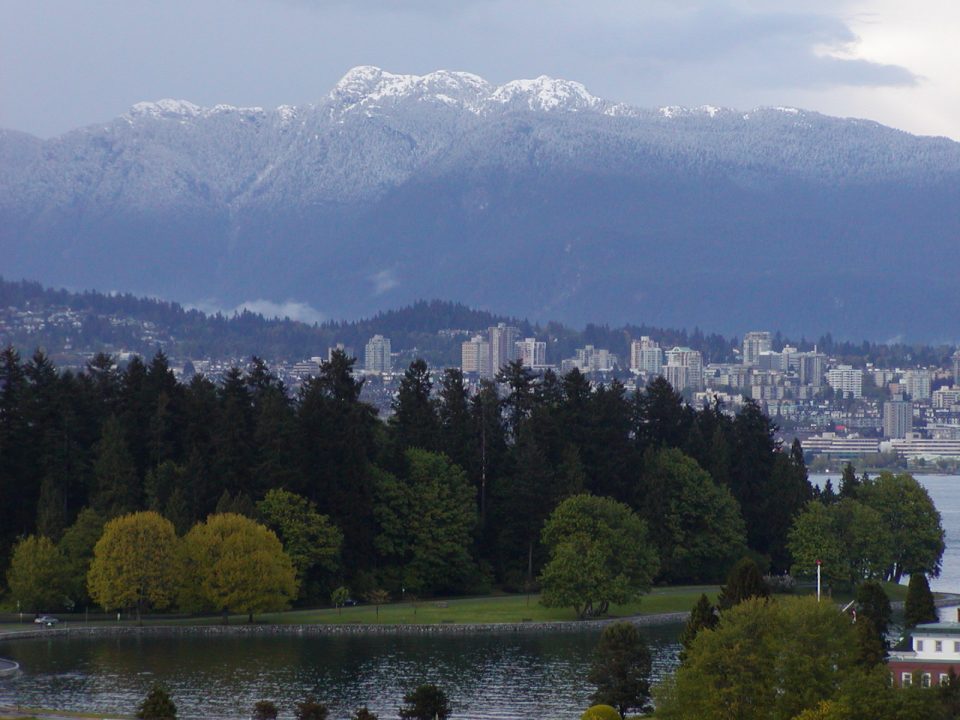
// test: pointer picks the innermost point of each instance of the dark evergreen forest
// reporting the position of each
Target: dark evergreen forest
(455, 486)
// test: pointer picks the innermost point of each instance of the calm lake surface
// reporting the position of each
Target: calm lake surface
(501, 675)
(492, 675)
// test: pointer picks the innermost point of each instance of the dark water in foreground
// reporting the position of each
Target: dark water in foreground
(491, 675)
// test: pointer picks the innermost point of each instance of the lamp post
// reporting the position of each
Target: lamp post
(19, 612)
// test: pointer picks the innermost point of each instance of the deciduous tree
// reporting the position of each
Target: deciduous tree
(237, 565)
(135, 563)
(599, 554)
(37, 573)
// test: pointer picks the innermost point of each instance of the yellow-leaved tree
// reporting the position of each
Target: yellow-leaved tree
(235, 564)
(136, 563)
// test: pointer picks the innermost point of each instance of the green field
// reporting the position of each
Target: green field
(487, 609)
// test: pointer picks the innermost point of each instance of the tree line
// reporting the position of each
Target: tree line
(449, 495)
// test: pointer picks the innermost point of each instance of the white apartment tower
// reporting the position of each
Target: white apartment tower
(956, 368)
(532, 352)
(844, 378)
(755, 343)
(917, 384)
(503, 345)
(475, 356)
(646, 357)
(376, 357)
(684, 369)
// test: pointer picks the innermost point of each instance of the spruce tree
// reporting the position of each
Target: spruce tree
(702, 617)
(873, 603)
(744, 581)
(919, 607)
(157, 706)
(621, 669)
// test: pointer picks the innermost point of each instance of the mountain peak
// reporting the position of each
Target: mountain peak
(368, 86)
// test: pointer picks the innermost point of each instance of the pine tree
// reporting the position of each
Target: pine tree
(157, 706)
(849, 483)
(116, 487)
(621, 669)
(919, 607)
(872, 602)
(744, 581)
(702, 617)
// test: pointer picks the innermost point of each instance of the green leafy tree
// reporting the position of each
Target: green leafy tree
(77, 546)
(695, 524)
(136, 563)
(427, 702)
(919, 606)
(703, 617)
(426, 523)
(338, 597)
(621, 669)
(599, 554)
(765, 660)
(157, 705)
(310, 539)
(743, 582)
(237, 565)
(911, 518)
(378, 597)
(37, 573)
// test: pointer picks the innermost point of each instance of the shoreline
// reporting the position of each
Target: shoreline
(321, 629)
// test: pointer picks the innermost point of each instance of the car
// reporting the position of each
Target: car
(47, 620)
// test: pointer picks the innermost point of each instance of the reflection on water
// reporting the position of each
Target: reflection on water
(508, 675)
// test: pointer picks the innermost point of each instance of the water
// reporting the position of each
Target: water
(491, 675)
(944, 490)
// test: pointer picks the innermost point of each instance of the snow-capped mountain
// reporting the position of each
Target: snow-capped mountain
(534, 197)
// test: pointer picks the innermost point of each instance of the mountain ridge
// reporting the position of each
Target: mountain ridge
(395, 187)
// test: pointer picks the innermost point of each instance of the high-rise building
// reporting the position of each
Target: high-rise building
(475, 356)
(897, 418)
(755, 343)
(376, 358)
(503, 345)
(810, 368)
(646, 356)
(532, 352)
(917, 384)
(956, 368)
(684, 369)
(592, 359)
(844, 378)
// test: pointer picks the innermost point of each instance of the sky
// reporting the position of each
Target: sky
(69, 63)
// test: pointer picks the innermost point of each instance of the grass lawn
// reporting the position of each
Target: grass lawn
(488, 609)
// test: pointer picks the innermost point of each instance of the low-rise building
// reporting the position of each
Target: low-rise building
(934, 652)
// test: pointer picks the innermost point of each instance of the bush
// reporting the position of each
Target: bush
(264, 710)
(600, 712)
(157, 706)
(427, 702)
(363, 714)
(310, 709)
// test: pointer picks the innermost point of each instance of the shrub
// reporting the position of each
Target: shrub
(363, 714)
(157, 706)
(427, 702)
(264, 710)
(310, 709)
(600, 712)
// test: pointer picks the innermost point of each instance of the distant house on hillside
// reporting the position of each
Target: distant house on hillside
(935, 651)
